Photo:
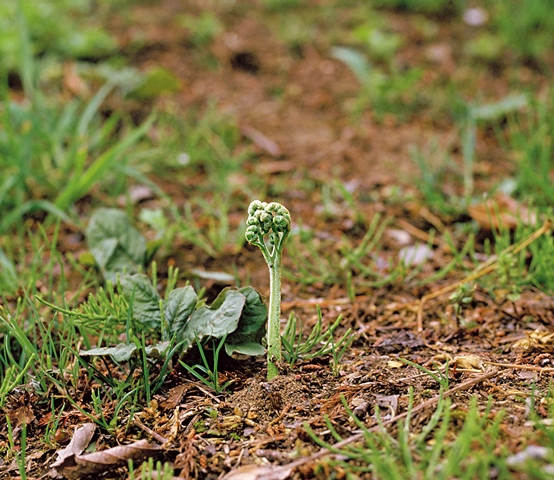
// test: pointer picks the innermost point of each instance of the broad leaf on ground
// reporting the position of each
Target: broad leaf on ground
(246, 339)
(143, 299)
(180, 304)
(117, 246)
(218, 320)
(238, 315)
(79, 466)
(124, 351)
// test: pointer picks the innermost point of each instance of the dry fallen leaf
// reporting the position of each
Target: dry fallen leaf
(22, 415)
(14, 466)
(81, 438)
(395, 364)
(259, 472)
(174, 397)
(501, 211)
(537, 340)
(469, 362)
(78, 466)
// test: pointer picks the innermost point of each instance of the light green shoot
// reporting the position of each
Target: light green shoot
(270, 219)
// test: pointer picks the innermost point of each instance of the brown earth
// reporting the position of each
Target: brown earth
(293, 108)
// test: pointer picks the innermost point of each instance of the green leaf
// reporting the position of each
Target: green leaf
(254, 314)
(123, 352)
(245, 348)
(88, 43)
(151, 248)
(355, 60)
(30, 206)
(104, 251)
(219, 277)
(81, 182)
(117, 246)
(143, 299)
(246, 339)
(218, 320)
(499, 110)
(181, 302)
(8, 275)
(156, 82)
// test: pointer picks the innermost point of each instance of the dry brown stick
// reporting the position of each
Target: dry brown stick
(422, 406)
(432, 219)
(321, 302)
(487, 267)
(522, 367)
(416, 232)
(150, 432)
(264, 441)
(281, 415)
(261, 140)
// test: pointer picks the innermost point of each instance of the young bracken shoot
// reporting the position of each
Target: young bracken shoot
(270, 219)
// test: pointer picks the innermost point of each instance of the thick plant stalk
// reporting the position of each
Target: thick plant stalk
(274, 354)
(274, 221)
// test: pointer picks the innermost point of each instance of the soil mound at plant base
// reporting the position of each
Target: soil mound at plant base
(286, 400)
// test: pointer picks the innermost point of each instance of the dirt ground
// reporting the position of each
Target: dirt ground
(292, 106)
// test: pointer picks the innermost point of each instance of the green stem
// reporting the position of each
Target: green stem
(274, 320)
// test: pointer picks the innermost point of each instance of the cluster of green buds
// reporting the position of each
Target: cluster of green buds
(273, 220)
(270, 219)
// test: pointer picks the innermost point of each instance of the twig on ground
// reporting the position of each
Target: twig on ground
(264, 441)
(281, 415)
(419, 234)
(321, 302)
(522, 367)
(262, 141)
(149, 431)
(204, 391)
